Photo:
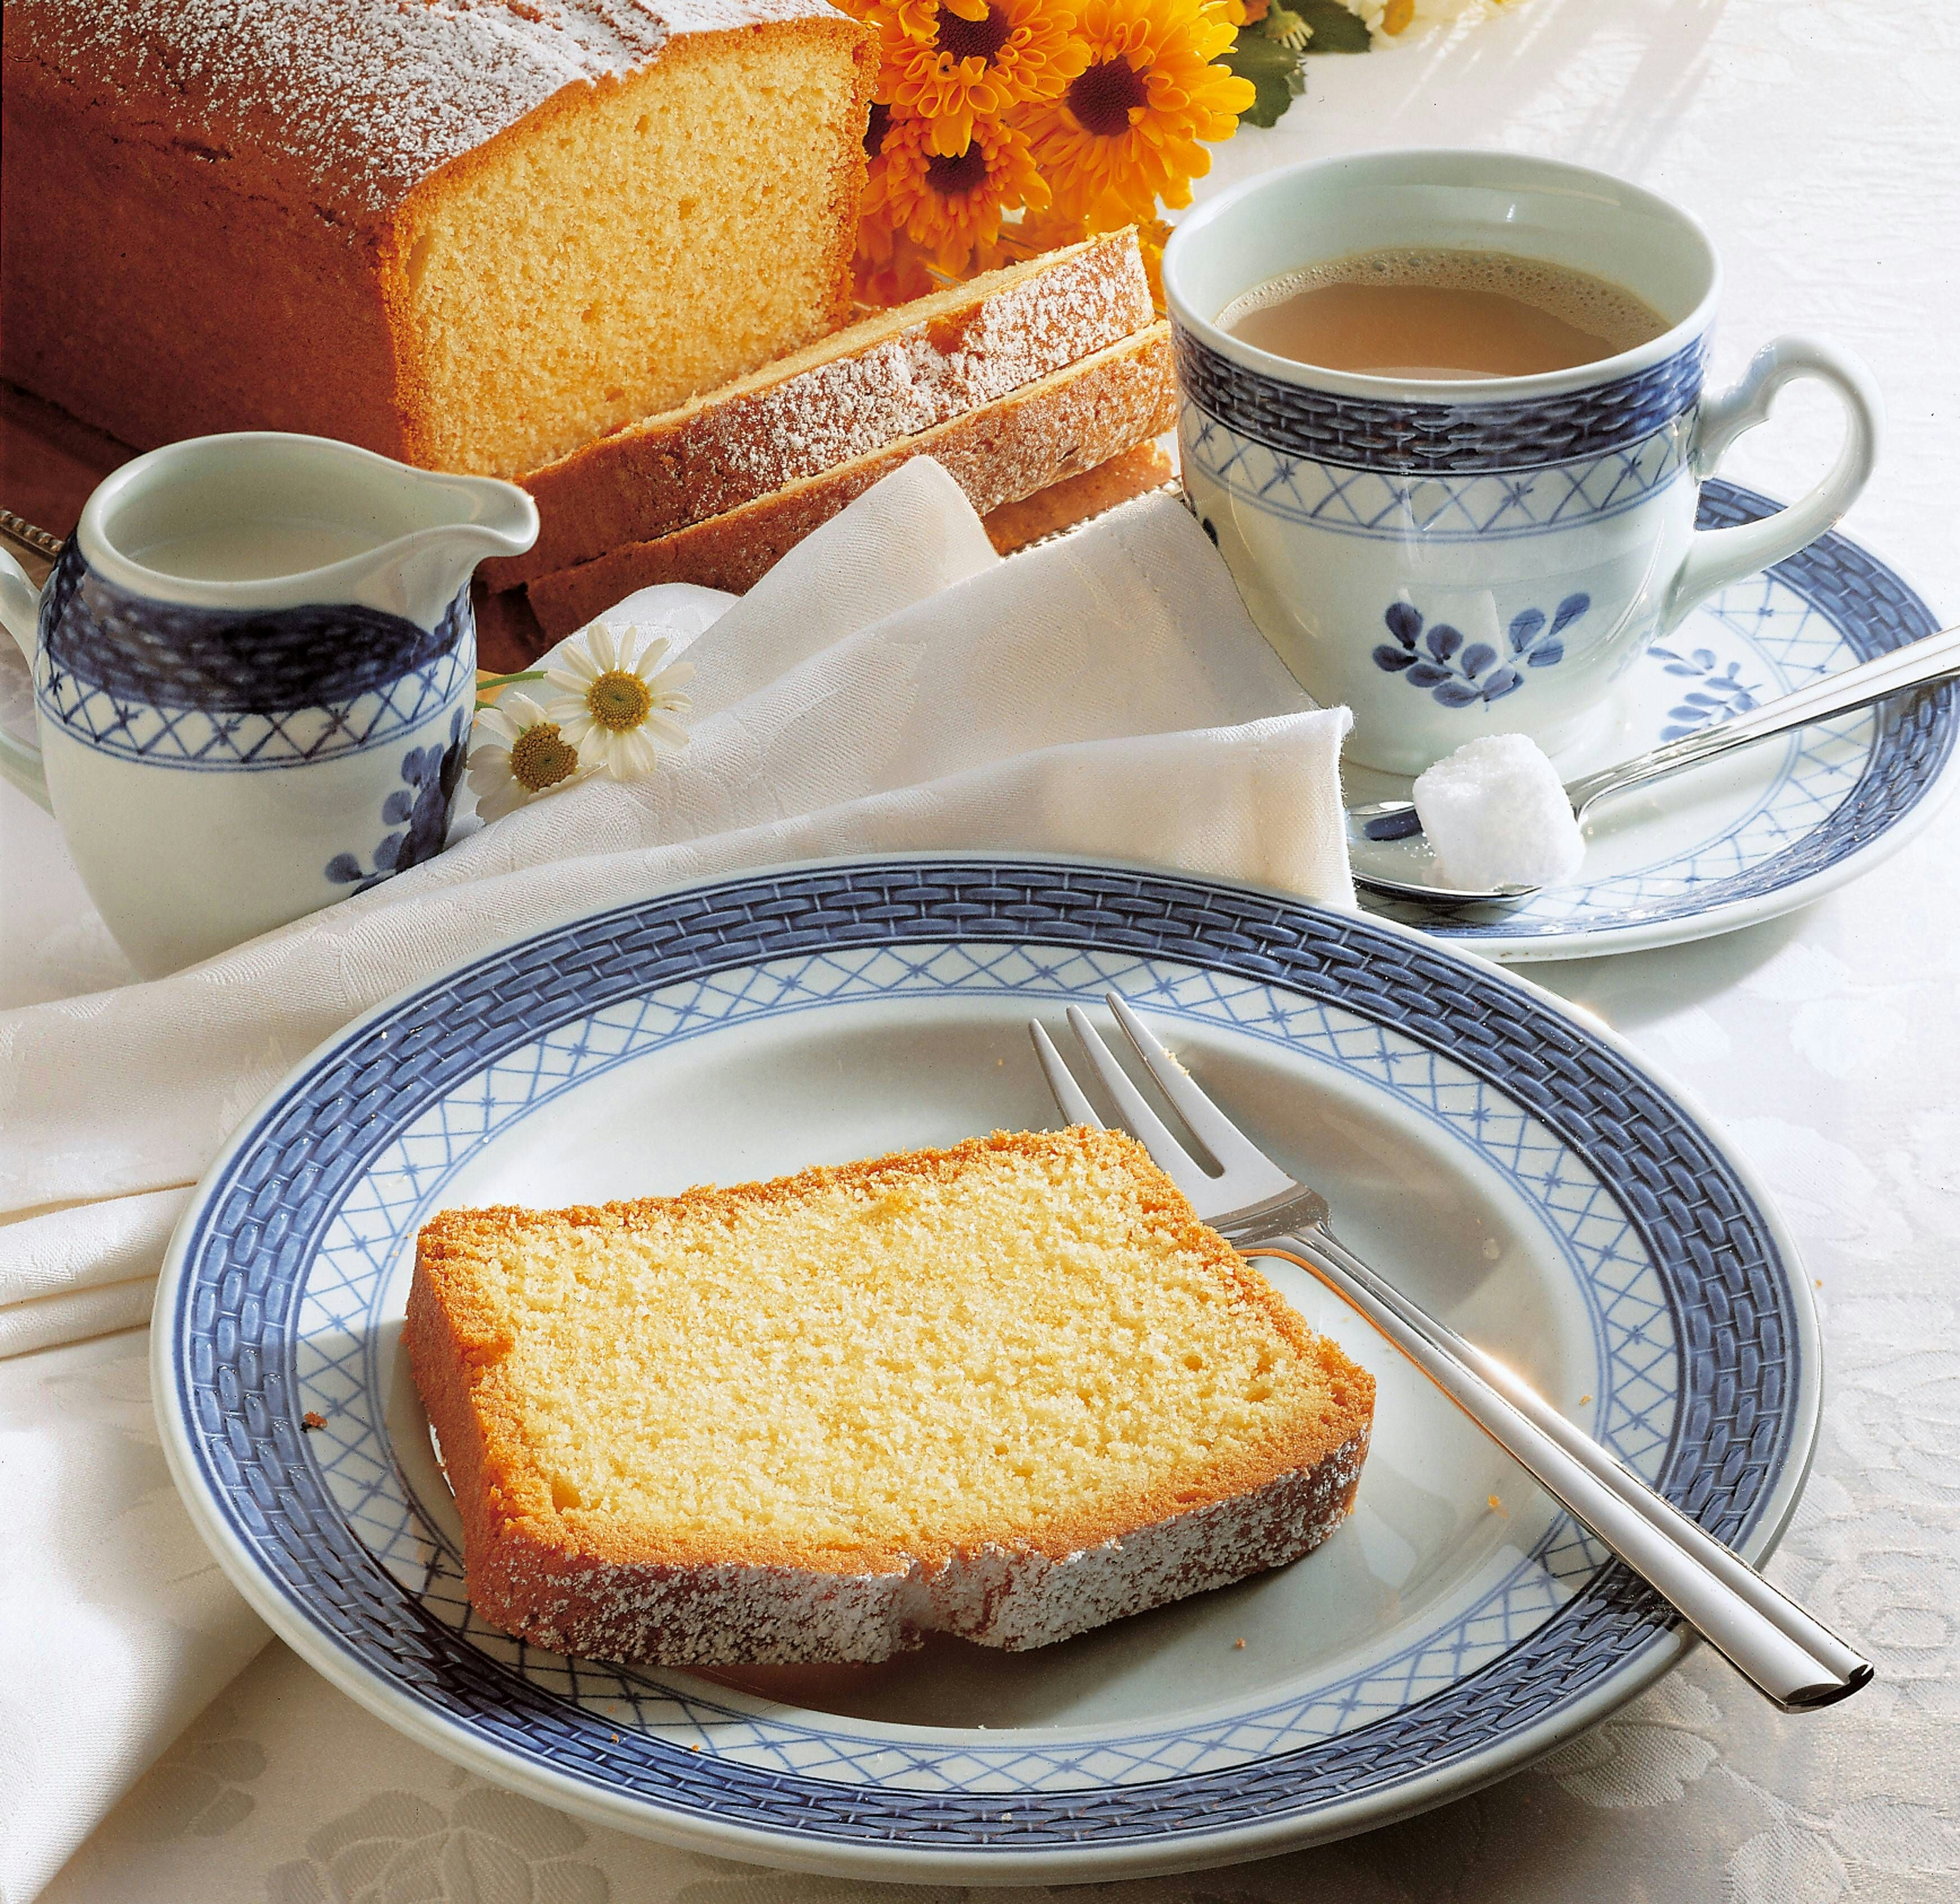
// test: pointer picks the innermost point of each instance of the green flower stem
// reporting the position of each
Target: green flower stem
(502, 681)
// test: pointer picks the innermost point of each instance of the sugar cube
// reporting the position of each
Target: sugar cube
(1495, 815)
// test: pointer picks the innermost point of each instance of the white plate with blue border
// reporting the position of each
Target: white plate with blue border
(1765, 830)
(1521, 1172)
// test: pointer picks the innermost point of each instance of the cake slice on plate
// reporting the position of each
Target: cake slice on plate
(1010, 1391)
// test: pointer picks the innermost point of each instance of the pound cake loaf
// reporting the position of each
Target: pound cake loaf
(470, 234)
(1009, 1390)
(886, 377)
(1056, 427)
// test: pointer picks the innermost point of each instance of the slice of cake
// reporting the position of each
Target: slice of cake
(1009, 1390)
(1140, 471)
(886, 377)
(1056, 427)
(472, 234)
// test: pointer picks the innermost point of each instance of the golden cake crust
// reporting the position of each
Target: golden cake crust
(876, 382)
(1140, 471)
(581, 1585)
(1058, 427)
(218, 210)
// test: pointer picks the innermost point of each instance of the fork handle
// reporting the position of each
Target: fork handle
(1788, 1655)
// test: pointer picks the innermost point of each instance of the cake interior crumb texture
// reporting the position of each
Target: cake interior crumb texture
(473, 233)
(1025, 1343)
(609, 263)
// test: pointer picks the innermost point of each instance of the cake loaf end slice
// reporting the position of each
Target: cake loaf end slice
(1057, 427)
(1009, 1390)
(886, 377)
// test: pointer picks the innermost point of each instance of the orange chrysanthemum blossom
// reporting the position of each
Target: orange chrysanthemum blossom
(1030, 236)
(951, 203)
(889, 268)
(953, 61)
(1127, 130)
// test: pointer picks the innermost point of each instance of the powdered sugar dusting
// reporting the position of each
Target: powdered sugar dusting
(1009, 1597)
(870, 391)
(933, 372)
(347, 104)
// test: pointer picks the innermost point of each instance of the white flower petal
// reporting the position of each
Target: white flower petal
(633, 757)
(672, 732)
(490, 771)
(506, 799)
(523, 708)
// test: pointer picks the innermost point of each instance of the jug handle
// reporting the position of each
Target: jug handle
(20, 609)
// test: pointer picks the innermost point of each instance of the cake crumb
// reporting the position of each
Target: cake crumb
(1497, 1506)
(312, 1419)
(1238, 1646)
(1583, 1400)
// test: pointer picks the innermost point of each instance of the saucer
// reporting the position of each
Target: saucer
(1456, 1626)
(1765, 830)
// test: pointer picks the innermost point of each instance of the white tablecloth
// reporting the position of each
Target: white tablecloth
(1818, 139)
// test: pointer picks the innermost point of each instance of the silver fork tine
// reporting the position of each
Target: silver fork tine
(1068, 1093)
(1229, 1145)
(1170, 1155)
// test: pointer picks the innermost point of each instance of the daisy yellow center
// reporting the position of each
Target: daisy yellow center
(539, 758)
(980, 39)
(949, 175)
(1102, 96)
(619, 702)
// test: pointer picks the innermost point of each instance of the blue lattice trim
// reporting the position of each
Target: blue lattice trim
(1439, 439)
(108, 676)
(229, 661)
(260, 1221)
(1395, 505)
(1875, 612)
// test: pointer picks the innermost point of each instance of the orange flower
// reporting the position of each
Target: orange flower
(1152, 235)
(1126, 130)
(951, 61)
(1033, 235)
(951, 203)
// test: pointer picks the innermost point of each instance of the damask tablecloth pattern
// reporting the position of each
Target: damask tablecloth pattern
(1818, 139)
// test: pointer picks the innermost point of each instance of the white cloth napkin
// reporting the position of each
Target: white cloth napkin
(892, 684)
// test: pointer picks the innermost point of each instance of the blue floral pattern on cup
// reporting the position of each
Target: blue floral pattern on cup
(419, 810)
(1461, 676)
(1722, 696)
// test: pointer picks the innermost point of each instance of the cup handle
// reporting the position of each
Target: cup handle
(1716, 556)
(19, 610)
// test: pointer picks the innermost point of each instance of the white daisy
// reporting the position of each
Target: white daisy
(517, 754)
(616, 699)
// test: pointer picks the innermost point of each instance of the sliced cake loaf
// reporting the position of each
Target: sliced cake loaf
(1057, 427)
(1137, 472)
(887, 377)
(1010, 1391)
(473, 234)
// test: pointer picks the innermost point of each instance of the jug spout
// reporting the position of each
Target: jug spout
(474, 517)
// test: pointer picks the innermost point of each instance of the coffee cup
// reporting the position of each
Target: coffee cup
(1456, 558)
(254, 670)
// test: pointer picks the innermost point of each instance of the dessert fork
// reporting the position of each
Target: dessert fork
(1786, 1653)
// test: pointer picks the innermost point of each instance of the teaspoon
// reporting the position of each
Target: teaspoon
(1381, 823)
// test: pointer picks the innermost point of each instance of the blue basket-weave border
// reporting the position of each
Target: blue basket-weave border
(1731, 1303)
